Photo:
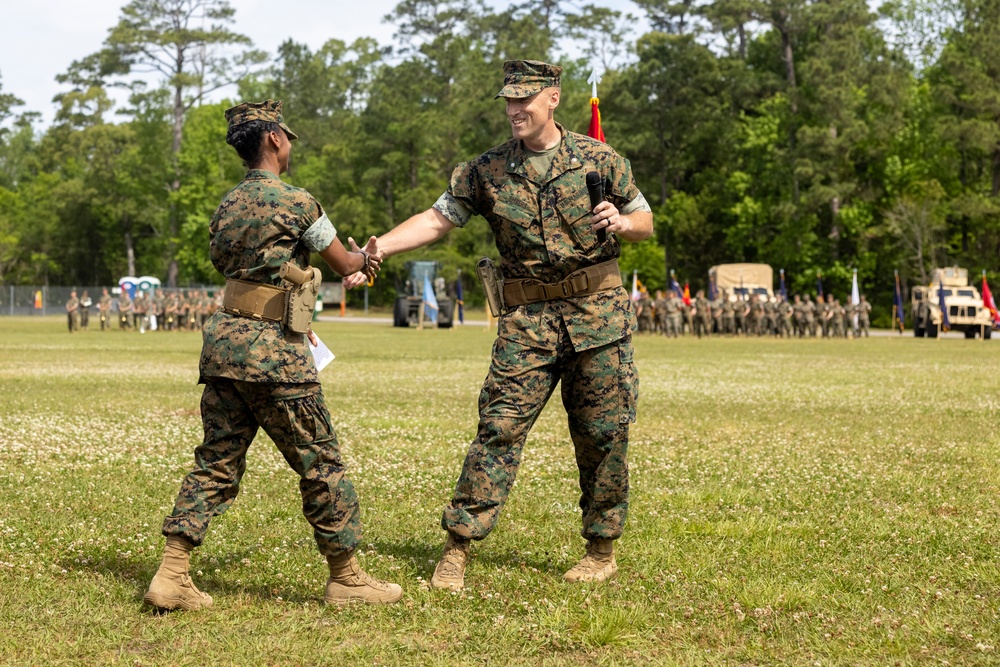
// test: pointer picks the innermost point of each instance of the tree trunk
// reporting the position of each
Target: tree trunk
(742, 32)
(834, 210)
(995, 191)
(666, 260)
(175, 185)
(389, 200)
(788, 56)
(130, 253)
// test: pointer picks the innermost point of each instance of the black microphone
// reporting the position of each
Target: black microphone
(595, 186)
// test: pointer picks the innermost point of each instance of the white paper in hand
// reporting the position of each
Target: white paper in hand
(321, 355)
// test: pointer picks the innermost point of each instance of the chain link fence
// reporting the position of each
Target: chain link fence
(51, 300)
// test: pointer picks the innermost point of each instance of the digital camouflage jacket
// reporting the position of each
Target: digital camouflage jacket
(261, 223)
(541, 224)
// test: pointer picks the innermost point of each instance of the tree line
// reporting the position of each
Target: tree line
(818, 136)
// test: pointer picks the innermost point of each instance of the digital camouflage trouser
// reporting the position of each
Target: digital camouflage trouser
(599, 391)
(296, 418)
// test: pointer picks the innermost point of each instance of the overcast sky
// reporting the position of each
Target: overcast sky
(40, 38)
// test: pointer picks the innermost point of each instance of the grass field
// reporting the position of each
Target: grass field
(794, 502)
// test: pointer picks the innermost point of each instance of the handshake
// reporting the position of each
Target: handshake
(373, 263)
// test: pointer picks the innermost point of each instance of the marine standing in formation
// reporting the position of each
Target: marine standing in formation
(702, 314)
(258, 371)
(567, 318)
(72, 314)
(85, 304)
(864, 316)
(124, 311)
(760, 315)
(104, 310)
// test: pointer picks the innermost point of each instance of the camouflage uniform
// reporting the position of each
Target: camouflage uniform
(864, 317)
(104, 311)
(645, 314)
(834, 315)
(124, 310)
(703, 316)
(849, 311)
(191, 310)
(755, 320)
(716, 306)
(660, 313)
(784, 318)
(85, 303)
(541, 224)
(72, 313)
(140, 307)
(170, 312)
(741, 309)
(799, 316)
(809, 308)
(770, 317)
(821, 317)
(728, 316)
(156, 309)
(672, 313)
(258, 375)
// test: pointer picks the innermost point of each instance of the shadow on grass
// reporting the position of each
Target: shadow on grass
(424, 556)
(136, 574)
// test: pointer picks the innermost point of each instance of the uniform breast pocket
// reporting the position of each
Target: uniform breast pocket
(574, 211)
(509, 212)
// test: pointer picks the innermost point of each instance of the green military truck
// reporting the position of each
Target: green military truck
(410, 295)
(964, 302)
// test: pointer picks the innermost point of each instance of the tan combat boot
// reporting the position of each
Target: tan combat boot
(349, 582)
(597, 565)
(171, 587)
(450, 571)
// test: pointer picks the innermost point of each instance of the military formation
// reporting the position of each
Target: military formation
(172, 311)
(758, 315)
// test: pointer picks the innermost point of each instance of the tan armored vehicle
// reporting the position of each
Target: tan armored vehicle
(742, 280)
(964, 303)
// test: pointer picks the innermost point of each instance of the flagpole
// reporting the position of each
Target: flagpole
(900, 314)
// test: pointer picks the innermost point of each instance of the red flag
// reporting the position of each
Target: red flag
(989, 304)
(595, 130)
(687, 295)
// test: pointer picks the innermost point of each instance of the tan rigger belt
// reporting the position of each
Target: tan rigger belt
(591, 280)
(254, 300)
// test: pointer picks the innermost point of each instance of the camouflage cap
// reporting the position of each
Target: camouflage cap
(524, 78)
(268, 110)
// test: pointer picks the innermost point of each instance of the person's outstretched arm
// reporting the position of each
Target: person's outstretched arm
(420, 230)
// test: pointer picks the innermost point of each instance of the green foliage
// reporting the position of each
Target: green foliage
(793, 502)
(809, 136)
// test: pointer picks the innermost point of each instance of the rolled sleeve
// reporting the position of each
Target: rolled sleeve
(637, 204)
(456, 212)
(320, 234)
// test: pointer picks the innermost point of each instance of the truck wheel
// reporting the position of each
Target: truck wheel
(987, 332)
(918, 332)
(399, 312)
(446, 312)
(932, 330)
(970, 333)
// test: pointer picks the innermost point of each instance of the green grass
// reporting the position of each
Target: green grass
(794, 502)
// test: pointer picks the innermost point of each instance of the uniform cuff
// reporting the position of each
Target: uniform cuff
(456, 212)
(320, 234)
(637, 204)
